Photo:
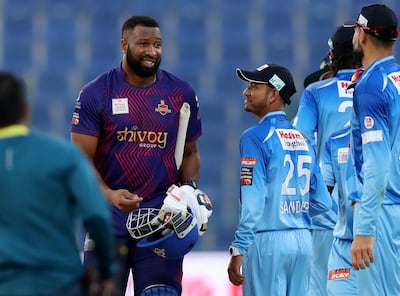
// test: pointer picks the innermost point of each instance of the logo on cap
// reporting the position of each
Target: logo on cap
(262, 67)
(362, 20)
(277, 82)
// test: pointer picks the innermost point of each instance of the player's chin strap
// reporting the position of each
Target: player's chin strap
(159, 290)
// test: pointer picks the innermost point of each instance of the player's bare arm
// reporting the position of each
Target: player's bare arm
(190, 168)
(235, 276)
(120, 198)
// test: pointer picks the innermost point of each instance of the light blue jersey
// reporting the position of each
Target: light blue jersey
(325, 107)
(281, 187)
(336, 169)
(376, 127)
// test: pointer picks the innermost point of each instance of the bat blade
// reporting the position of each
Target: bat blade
(184, 115)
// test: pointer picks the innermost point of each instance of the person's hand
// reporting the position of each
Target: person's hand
(362, 251)
(123, 199)
(235, 276)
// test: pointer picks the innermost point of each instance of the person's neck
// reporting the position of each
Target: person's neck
(261, 116)
(136, 80)
(374, 55)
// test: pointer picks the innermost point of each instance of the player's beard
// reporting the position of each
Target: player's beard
(137, 68)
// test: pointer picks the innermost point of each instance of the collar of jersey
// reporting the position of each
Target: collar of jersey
(13, 131)
(273, 113)
(377, 63)
(374, 65)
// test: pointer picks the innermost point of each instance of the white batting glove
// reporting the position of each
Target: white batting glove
(175, 200)
(200, 205)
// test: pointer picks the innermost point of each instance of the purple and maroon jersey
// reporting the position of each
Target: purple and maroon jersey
(136, 129)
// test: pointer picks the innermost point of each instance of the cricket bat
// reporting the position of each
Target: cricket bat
(184, 115)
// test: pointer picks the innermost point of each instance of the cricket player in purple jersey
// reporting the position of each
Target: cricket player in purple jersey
(281, 187)
(337, 168)
(375, 251)
(126, 121)
(325, 107)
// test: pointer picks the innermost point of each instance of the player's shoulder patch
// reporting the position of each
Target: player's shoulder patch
(369, 122)
(249, 161)
(246, 176)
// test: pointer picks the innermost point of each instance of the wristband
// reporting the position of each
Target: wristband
(234, 251)
(189, 182)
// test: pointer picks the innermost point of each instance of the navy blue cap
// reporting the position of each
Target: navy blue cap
(275, 76)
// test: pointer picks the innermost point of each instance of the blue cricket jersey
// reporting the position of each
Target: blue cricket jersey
(137, 130)
(376, 126)
(335, 171)
(325, 107)
(281, 182)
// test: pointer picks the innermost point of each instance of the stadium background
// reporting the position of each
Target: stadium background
(58, 45)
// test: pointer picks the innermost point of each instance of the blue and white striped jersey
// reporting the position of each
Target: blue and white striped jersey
(325, 107)
(334, 169)
(376, 126)
(281, 182)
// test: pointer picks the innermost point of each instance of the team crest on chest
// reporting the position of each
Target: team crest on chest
(162, 108)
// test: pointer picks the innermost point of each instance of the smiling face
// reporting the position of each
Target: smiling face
(142, 48)
(258, 98)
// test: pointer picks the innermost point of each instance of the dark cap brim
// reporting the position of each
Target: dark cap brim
(249, 76)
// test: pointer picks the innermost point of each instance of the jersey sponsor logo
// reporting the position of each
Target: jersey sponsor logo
(162, 108)
(160, 252)
(120, 106)
(75, 118)
(291, 139)
(372, 136)
(77, 101)
(369, 122)
(395, 77)
(341, 273)
(342, 86)
(342, 154)
(146, 139)
(249, 161)
(246, 176)
(294, 207)
(77, 105)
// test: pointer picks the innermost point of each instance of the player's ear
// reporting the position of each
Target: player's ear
(273, 95)
(124, 45)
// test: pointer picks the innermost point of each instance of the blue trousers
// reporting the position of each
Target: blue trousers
(278, 263)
